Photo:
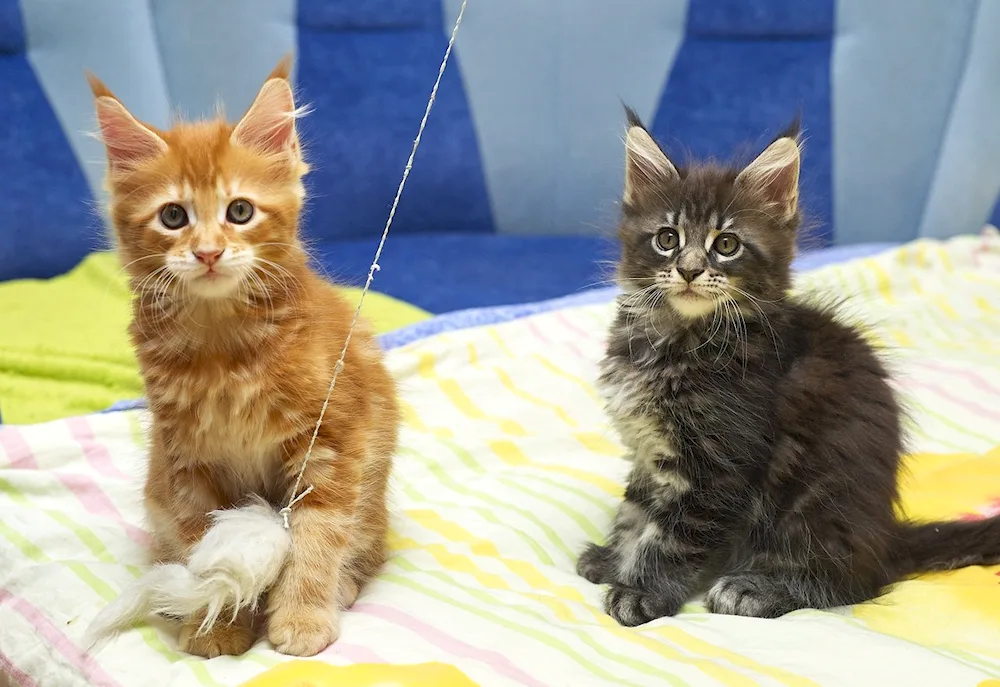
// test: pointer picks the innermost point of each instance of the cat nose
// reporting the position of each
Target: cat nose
(209, 256)
(690, 274)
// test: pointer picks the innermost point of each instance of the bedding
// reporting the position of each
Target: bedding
(507, 467)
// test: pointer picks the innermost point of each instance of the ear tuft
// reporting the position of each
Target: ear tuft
(269, 124)
(282, 70)
(775, 175)
(646, 166)
(128, 141)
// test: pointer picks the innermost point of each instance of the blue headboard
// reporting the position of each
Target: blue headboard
(901, 140)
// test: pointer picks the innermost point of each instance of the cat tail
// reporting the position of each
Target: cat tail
(238, 559)
(938, 546)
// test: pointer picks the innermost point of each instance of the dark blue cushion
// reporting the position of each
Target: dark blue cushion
(444, 272)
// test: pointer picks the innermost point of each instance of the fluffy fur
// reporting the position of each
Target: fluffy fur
(765, 436)
(234, 564)
(237, 339)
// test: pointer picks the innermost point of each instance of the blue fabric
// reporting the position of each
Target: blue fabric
(893, 97)
(368, 75)
(966, 162)
(900, 142)
(48, 220)
(745, 70)
(545, 82)
(444, 272)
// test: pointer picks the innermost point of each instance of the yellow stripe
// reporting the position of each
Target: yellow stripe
(492, 331)
(599, 444)
(454, 562)
(530, 398)
(558, 371)
(985, 306)
(945, 258)
(461, 401)
(449, 530)
(882, 280)
(697, 645)
(946, 309)
(473, 356)
(455, 394)
(531, 576)
(511, 453)
(411, 418)
(425, 365)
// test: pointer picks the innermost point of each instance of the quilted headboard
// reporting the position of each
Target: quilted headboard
(899, 101)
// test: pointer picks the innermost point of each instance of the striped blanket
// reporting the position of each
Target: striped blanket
(507, 468)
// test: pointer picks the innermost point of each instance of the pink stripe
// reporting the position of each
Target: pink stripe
(566, 322)
(972, 378)
(86, 665)
(98, 503)
(17, 449)
(576, 330)
(96, 453)
(16, 674)
(354, 653)
(537, 331)
(448, 643)
(957, 400)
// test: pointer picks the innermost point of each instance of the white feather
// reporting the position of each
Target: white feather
(238, 559)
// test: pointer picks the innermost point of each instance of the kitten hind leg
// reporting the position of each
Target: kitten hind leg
(223, 639)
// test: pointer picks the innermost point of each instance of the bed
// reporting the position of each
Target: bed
(507, 467)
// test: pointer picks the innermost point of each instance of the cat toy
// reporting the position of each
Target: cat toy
(245, 548)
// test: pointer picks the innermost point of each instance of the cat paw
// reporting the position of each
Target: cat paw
(749, 595)
(221, 640)
(594, 564)
(303, 631)
(631, 608)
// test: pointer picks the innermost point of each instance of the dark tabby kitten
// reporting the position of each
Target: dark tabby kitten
(765, 436)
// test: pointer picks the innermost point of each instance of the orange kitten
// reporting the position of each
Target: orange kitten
(237, 339)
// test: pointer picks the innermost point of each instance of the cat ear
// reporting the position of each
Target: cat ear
(646, 166)
(269, 124)
(128, 141)
(775, 175)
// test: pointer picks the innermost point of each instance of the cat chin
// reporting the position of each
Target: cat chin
(692, 308)
(222, 286)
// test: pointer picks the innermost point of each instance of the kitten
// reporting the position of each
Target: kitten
(237, 339)
(765, 436)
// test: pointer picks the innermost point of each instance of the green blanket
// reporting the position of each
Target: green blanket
(63, 343)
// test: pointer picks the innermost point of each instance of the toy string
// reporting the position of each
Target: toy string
(338, 368)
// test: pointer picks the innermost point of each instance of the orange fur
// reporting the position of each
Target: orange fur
(237, 351)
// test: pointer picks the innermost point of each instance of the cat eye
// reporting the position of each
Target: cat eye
(240, 211)
(173, 216)
(726, 245)
(666, 240)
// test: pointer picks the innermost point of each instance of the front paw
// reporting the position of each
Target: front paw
(303, 631)
(631, 607)
(595, 564)
(220, 640)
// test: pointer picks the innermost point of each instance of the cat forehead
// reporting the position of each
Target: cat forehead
(706, 217)
(223, 186)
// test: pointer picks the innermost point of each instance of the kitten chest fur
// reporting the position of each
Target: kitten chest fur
(217, 413)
